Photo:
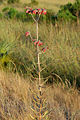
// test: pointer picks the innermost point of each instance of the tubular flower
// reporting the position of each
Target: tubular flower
(35, 43)
(27, 34)
(27, 11)
(39, 43)
(33, 40)
(39, 11)
(35, 11)
(44, 11)
(44, 49)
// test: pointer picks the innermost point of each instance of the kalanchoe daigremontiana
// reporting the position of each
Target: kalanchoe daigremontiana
(40, 113)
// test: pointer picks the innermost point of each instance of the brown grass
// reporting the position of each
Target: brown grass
(15, 99)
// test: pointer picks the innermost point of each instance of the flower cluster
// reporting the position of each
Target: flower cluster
(39, 12)
(39, 43)
(36, 11)
(44, 49)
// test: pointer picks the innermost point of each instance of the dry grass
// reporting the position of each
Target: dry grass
(15, 99)
(64, 102)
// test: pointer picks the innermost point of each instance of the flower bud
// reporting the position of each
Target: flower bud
(27, 34)
(44, 11)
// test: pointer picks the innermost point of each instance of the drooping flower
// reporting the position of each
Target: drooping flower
(39, 11)
(35, 11)
(27, 11)
(40, 43)
(33, 40)
(35, 43)
(27, 34)
(44, 49)
(44, 11)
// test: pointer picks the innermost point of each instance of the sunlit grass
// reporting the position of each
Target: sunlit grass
(15, 99)
(61, 58)
(61, 62)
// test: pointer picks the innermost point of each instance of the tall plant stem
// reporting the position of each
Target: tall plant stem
(39, 74)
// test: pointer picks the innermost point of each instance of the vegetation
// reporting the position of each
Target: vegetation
(60, 64)
(70, 11)
(13, 1)
(62, 59)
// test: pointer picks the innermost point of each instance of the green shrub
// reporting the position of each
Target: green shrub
(5, 9)
(12, 13)
(68, 6)
(66, 15)
(5, 12)
(65, 12)
(21, 16)
(1, 15)
(49, 15)
(13, 1)
(76, 10)
(70, 11)
(4, 53)
(9, 12)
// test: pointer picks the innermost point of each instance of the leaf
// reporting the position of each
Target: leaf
(45, 114)
(32, 117)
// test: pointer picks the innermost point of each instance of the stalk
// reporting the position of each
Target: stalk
(38, 109)
(39, 74)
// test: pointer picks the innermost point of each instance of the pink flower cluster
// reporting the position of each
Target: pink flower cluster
(36, 11)
(39, 43)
